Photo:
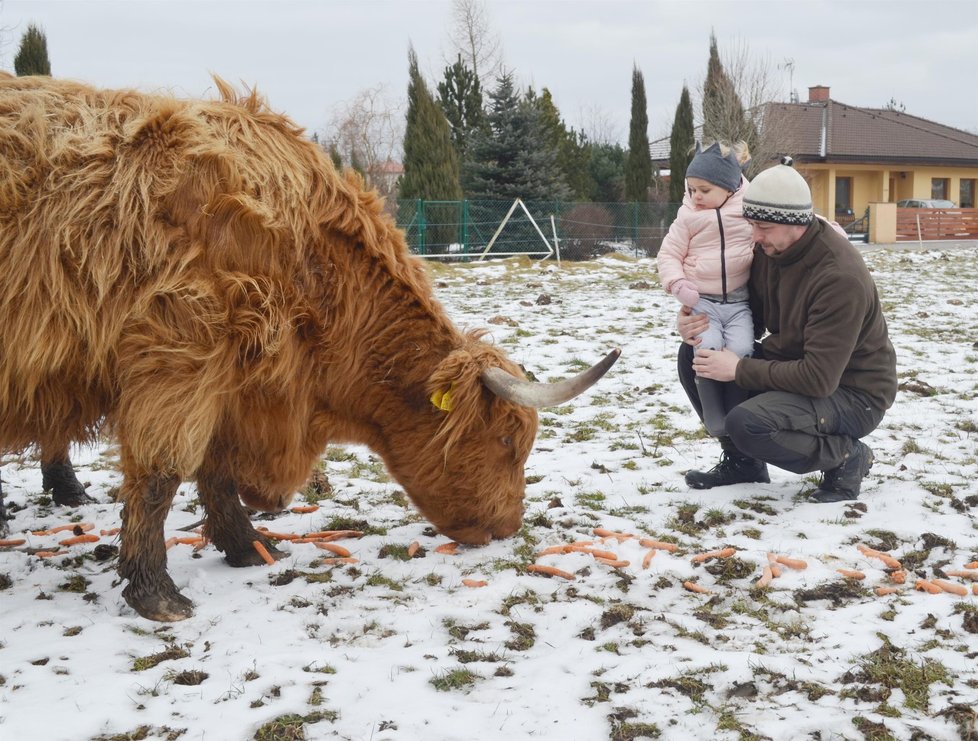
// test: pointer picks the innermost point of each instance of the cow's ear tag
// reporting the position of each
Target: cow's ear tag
(442, 400)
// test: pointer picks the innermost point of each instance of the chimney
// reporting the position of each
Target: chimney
(818, 94)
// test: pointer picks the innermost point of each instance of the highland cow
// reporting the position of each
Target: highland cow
(195, 279)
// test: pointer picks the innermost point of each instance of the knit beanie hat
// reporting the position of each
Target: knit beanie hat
(710, 165)
(779, 195)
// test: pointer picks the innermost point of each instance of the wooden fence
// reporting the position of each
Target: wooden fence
(922, 224)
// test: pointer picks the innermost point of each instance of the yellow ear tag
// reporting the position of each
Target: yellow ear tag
(442, 400)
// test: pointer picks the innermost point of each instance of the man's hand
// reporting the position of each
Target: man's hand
(717, 365)
(691, 326)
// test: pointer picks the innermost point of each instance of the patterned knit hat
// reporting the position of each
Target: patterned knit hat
(710, 165)
(779, 195)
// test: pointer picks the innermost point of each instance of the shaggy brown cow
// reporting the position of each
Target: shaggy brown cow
(196, 279)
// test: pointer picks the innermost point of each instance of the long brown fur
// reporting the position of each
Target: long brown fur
(196, 279)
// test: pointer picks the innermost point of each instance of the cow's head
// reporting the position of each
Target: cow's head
(462, 461)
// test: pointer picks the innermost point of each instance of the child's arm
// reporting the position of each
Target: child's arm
(672, 255)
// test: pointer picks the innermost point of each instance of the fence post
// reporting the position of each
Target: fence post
(465, 226)
(419, 205)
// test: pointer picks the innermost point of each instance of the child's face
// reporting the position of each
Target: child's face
(705, 194)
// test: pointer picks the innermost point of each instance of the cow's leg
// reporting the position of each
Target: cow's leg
(4, 529)
(142, 556)
(58, 477)
(227, 525)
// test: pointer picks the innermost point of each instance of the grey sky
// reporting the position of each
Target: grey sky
(309, 56)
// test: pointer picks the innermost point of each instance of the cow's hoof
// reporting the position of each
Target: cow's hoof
(164, 608)
(251, 557)
(71, 497)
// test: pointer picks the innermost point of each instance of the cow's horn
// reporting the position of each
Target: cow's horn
(528, 394)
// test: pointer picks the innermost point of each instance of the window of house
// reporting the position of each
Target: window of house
(967, 199)
(939, 188)
(843, 196)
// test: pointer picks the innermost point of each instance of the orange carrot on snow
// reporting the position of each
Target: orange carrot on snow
(340, 560)
(413, 549)
(792, 563)
(949, 586)
(882, 591)
(80, 527)
(50, 554)
(553, 550)
(613, 562)
(723, 553)
(12, 543)
(974, 589)
(772, 561)
(972, 575)
(659, 545)
(886, 558)
(647, 559)
(972, 565)
(605, 533)
(475, 583)
(898, 577)
(79, 539)
(692, 586)
(450, 548)
(766, 576)
(326, 535)
(201, 543)
(852, 574)
(263, 552)
(538, 568)
(110, 531)
(277, 536)
(333, 548)
(596, 552)
(926, 586)
(169, 543)
(304, 509)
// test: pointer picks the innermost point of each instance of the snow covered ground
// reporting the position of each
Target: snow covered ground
(393, 648)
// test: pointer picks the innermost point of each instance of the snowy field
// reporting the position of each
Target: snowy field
(395, 648)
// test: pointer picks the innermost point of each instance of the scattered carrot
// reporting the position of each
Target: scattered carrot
(277, 536)
(605, 533)
(326, 535)
(451, 548)
(766, 576)
(949, 586)
(475, 583)
(723, 553)
(201, 543)
(852, 574)
(79, 539)
(304, 509)
(263, 552)
(12, 543)
(974, 589)
(972, 565)
(972, 575)
(169, 543)
(886, 558)
(50, 554)
(553, 550)
(792, 563)
(660, 545)
(926, 586)
(596, 552)
(78, 527)
(188, 540)
(692, 586)
(883, 591)
(538, 568)
(412, 549)
(650, 554)
(340, 560)
(333, 548)
(612, 562)
(110, 531)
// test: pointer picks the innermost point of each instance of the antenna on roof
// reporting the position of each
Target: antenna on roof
(789, 64)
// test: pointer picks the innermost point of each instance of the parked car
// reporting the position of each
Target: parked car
(925, 203)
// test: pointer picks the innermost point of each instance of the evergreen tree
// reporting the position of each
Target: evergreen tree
(724, 118)
(572, 149)
(460, 95)
(32, 56)
(430, 162)
(607, 169)
(638, 166)
(681, 142)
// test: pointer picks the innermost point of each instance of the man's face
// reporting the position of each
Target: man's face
(775, 238)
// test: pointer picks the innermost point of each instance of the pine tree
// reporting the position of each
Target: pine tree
(571, 149)
(681, 142)
(607, 168)
(638, 166)
(460, 95)
(32, 56)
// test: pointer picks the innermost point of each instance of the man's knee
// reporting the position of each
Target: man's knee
(749, 432)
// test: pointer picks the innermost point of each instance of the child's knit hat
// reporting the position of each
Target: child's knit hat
(779, 195)
(710, 165)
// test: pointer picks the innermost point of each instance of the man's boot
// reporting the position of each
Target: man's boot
(734, 468)
(844, 482)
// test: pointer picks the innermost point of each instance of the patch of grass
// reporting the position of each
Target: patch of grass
(524, 636)
(290, 727)
(455, 679)
(889, 668)
(148, 662)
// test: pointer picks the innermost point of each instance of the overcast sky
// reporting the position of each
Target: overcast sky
(309, 57)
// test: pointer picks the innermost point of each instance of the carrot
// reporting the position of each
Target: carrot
(110, 531)
(972, 565)
(12, 543)
(79, 539)
(692, 586)
(169, 543)
(605, 533)
(658, 544)
(538, 568)
(201, 543)
(304, 509)
(451, 548)
(475, 583)
(553, 550)
(650, 554)
(263, 552)
(613, 562)
(852, 574)
(792, 563)
(949, 586)
(334, 534)
(898, 577)
(974, 589)
(972, 575)
(724, 553)
(926, 586)
(413, 548)
(333, 548)
(886, 558)
(189, 540)
(81, 527)
(277, 536)
(596, 552)
(50, 554)
(883, 591)
(766, 576)
(340, 560)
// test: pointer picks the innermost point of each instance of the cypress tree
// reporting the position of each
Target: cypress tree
(638, 166)
(32, 56)
(724, 118)
(681, 142)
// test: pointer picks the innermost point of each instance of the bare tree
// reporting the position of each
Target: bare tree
(366, 132)
(471, 35)
(598, 125)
